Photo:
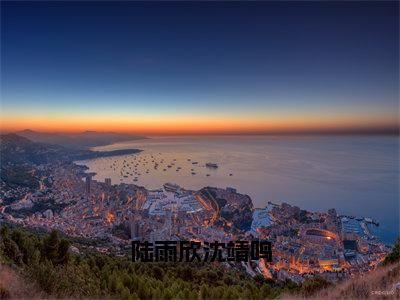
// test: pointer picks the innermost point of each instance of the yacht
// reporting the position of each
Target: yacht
(211, 165)
(171, 187)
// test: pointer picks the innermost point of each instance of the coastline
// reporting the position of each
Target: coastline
(100, 154)
(368, 224)
(384, 231)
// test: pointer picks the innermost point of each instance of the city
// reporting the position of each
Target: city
(305, 244)
(205, 150)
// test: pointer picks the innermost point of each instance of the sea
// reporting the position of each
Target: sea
(356, 175)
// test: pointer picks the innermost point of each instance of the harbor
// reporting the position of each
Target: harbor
(268, 169)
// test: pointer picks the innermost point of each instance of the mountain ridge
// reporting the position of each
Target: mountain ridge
(81, 140)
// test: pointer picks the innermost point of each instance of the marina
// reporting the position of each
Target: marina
(270, 169)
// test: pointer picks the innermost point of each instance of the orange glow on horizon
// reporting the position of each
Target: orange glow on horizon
(195, 124)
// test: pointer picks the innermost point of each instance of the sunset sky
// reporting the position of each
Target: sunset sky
(196, 67)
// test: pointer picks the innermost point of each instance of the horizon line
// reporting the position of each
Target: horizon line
(326, 131)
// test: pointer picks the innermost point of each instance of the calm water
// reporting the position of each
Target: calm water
(357, 175)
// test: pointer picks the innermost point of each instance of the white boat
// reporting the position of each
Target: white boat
(171, 187)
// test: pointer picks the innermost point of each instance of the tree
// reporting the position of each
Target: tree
(63, 255)
(133, 296)
(50, 247)
(157, 294)
(125, 294)
(204, 292)
(312, 285)
(394, 255)
(4, 232)
(265, 291)
(11, 250)
(26, 245)
(158, 273)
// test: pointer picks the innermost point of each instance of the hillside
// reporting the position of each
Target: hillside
(16, 149)
(19, 158)
(14, 286)
(55, 269)
(82, 140)
(383, 282)
(49, 263)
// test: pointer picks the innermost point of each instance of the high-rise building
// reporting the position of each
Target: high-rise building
(88, 184)
(134, 222)
(141, 198)
(107, 181)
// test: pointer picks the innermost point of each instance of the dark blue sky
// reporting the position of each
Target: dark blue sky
(228, 59)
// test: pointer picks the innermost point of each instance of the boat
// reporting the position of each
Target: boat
(211, 165)
(171, 187)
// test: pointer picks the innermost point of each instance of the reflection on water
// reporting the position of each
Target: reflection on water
(355, 174)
